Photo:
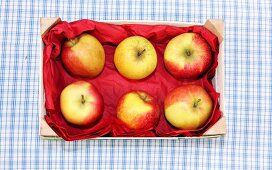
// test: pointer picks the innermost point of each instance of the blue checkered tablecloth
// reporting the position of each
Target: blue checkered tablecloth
(248, 89)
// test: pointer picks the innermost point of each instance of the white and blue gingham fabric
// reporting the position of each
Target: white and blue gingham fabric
(248, 89)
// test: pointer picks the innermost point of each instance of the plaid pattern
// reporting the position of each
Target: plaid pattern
(248, 89)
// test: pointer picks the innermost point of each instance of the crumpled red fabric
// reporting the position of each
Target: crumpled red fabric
(112, 85)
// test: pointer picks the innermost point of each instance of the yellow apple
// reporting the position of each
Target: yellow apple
(135, 58)
(188, 107)
(81, 103)
(138, 110)
(83, 56)
(187, 56)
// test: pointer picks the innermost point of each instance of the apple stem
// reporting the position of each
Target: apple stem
(144, 97)
(188, 52)
(196, 103)
(82, 99)
(140, 53)
(73, 42)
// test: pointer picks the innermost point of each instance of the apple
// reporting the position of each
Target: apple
(135, 58)
(187, 56)
(83, 56)
(81, 103)
(138, 110)
(188, 107)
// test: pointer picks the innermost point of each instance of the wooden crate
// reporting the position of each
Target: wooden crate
(214, 25)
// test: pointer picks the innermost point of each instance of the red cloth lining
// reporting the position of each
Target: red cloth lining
(112, 85)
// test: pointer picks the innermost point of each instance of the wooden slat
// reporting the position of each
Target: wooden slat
(216, 26)
(47, 23)
(219, 128)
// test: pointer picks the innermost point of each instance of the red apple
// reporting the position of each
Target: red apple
(83, 56)
(81, 103)
(187, 56)
(188, 107)
(138, 110)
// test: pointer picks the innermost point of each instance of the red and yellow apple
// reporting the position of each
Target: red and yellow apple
(187, 56)
(135, 58)
(188, 107)
(83, 56)
(138, 110)
(81, 103)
